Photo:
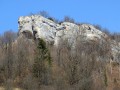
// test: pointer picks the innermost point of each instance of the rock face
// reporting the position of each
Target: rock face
(40, 27)
(37, 26)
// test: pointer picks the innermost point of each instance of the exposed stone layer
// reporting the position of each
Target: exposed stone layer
(37, 26)
(40, 27)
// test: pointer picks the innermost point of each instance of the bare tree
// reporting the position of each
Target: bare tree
(68, 19)
(44, 14)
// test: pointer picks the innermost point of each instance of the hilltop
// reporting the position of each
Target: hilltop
(50, 55)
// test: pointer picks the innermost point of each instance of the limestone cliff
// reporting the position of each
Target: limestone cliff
(40, 27)
(37, 26)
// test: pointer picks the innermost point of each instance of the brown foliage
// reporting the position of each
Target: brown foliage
(83, 67)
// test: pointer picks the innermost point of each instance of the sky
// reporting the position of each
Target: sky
(101, 12)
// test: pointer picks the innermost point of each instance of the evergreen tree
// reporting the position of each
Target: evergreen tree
(42, 63)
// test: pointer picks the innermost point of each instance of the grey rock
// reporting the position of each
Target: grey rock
(39, 27)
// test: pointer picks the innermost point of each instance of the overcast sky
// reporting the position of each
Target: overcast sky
(103, 12)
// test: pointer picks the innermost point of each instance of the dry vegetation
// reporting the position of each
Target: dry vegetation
(34, 65)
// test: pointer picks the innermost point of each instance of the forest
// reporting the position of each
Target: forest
(30, 64)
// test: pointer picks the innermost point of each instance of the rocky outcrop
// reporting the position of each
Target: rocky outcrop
(37, 26)
(40, 27)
